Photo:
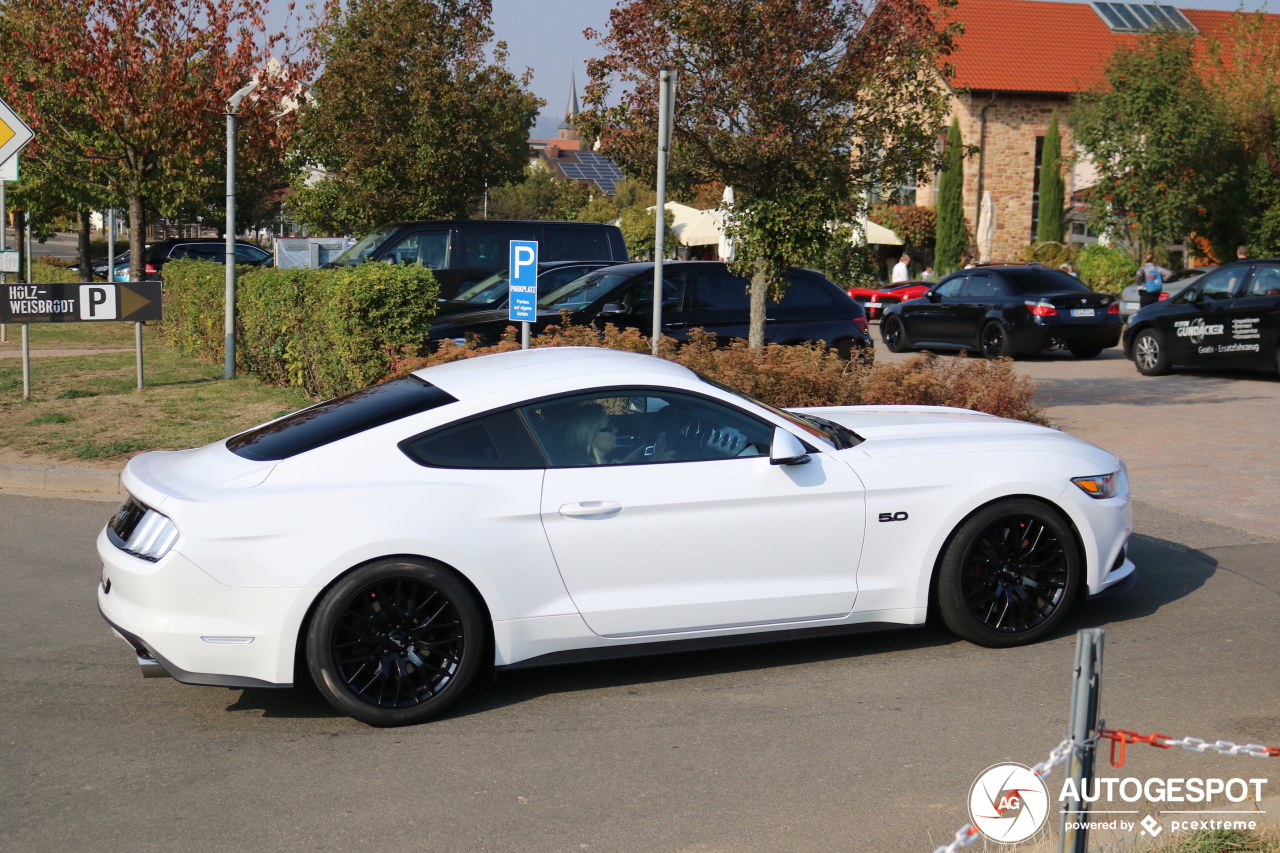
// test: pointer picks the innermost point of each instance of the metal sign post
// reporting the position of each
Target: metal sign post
(666, 109)
(522, 304)
(79, 303)
(4, 236)
(1083, 727)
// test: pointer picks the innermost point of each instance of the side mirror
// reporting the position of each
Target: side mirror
(786, 449)
(613, 309)
(933, 296)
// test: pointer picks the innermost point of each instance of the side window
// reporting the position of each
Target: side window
(952, 286)
(425, 248)
(499, 440)
(1265, 282)
(979, 287)
(718, 290)
(491, 247)
(1222, 284)
(638, 297)
(805, 293)
(573, 244)
(249, 253)
(636, 427)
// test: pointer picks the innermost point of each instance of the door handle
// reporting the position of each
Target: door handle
(586, 509)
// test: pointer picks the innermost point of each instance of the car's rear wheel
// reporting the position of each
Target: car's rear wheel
(1087, 352)
(1009, 574)
(1149, 353)
(395, 642)
(994, 341)
(893, 333)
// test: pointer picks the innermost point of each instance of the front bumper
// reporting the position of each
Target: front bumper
(195, 629)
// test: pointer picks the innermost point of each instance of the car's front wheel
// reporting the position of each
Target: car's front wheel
(1009, 574)
(893, 333)
(395, 642)
(1149, 353)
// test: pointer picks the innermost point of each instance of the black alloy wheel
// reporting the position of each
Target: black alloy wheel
(395, 642)
(893, 333)
(994, 341)
(1087, 352)
(1009, 574)
(1149, 353)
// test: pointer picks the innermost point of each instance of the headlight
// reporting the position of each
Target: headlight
(1101, 486)
(141, 531)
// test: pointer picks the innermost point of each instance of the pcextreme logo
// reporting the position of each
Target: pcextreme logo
(1008, 803)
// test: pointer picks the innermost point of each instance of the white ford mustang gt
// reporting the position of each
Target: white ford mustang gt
(566, 504)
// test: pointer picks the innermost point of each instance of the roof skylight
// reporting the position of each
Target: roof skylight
(1142, 17)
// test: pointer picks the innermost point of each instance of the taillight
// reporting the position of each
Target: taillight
(1041, 309)
(1162, 297)
(1113, 308)
(860, 323)
(150, 268)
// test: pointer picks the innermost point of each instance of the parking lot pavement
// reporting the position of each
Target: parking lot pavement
(859, 743)
(1196, 441)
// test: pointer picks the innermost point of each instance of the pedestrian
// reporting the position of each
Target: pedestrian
(1242, 253)
(966, 261)
(1150, 278)
(928, 274)
(900, 270)
(1069, 270)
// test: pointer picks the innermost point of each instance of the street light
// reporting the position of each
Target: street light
(233, 106)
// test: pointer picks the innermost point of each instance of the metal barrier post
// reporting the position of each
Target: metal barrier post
(137, 339)
(1085, 689)
(26, 361)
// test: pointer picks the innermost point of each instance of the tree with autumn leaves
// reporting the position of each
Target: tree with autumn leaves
(802, 106)
(127, 97)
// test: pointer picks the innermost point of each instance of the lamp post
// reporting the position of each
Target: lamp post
(233, 106)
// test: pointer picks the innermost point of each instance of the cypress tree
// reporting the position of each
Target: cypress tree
(1050, 227)
(950, 232)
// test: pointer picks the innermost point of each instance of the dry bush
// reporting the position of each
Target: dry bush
(800, 375)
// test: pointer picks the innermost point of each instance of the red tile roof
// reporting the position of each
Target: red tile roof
(1038, 46)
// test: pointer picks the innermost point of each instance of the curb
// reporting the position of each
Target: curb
(55, 479)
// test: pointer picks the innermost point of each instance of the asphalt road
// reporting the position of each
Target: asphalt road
(860, 743)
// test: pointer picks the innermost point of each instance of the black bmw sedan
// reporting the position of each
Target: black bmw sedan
(1005, 310)
(696, 294)
(1229, 318)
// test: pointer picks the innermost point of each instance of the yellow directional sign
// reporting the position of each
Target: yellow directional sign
(14, 133)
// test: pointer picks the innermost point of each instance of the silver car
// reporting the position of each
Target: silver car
(1131, 296)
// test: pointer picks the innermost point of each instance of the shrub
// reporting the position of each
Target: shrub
(1106, 269)
(802, 375)
(45, 272)
(328, 332)
(917, 225)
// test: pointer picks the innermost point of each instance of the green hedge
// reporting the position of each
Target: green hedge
(1105, 268)
(43, 273)
(328, 332)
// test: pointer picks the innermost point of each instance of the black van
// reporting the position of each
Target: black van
(465, 252)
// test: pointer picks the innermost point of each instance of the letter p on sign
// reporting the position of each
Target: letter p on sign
(98, 302)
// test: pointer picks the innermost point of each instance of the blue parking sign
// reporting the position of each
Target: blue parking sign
(522, 307)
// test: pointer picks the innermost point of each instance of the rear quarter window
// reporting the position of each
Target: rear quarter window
(333, 420)
(574, 244)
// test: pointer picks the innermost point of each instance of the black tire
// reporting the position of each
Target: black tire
(993, 341)
(1087, 352)
(396, 642)
(1009, 574)
(894, 334)
(1150, 355)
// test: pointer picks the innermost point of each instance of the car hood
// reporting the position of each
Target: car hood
(876, 422)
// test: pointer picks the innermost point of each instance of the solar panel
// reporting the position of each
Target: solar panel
(1141, 17)
(593, 167)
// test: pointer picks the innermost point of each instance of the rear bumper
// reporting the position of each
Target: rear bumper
(1066, 335)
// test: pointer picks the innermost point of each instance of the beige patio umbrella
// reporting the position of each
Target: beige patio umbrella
(986, 228)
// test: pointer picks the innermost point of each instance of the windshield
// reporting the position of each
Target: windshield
(491, 289)
(362, 250)
(581, 292)
(818, 427)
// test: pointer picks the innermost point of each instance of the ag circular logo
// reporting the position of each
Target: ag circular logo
(1008, 803)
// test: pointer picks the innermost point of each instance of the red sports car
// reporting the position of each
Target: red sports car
(875, 299)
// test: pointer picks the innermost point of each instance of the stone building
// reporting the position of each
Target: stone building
(1018, 61)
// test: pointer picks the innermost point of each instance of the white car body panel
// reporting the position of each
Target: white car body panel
(698, 550)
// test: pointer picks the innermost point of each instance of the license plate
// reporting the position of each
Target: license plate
(1081, 312)
(1131, 306)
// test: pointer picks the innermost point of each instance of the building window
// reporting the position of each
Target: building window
(1035, 188)
(907, 191)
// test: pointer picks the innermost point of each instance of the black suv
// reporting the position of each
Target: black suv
(696, 294)
(493, 293)
(199, 249)
(463, 253)
(1004, 310)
